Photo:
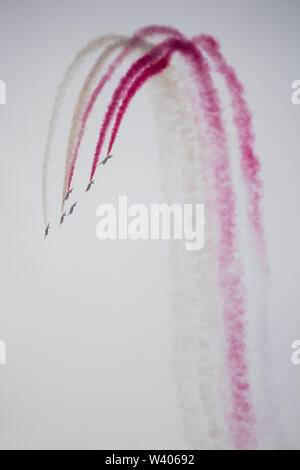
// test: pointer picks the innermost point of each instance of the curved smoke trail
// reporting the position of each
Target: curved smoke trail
(206, 365)
(117, 95)
(231, 285)
(203, 385)
(85, 102)
(242, 118)
(241, 419)
(71, 71)
(196, 311)
(83, 108)
(268, 412)
(250, 167)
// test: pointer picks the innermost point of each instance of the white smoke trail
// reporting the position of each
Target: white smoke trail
(82, 102)
(86, 90)
(197, 313)
(71, 71)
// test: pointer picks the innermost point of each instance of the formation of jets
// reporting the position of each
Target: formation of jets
(68, 194)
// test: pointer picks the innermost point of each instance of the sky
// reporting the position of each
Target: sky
(87, 323)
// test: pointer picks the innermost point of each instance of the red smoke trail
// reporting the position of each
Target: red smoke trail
(105, 78)
(117, 95)
(153, 30)
(142, 33)
(242, 118)
(230, 274)
(146, 74)
(250, 166)
(243, 121)
(165, 30)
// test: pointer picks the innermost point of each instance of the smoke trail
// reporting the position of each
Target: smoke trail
(231, 283)
(140, 63)
(136, 41)
(250, 167)
(242, 118)
(85, 106)
(267, 410)
(196, 310)
(71, 70)
(205, 365)
(110, 147)
(241, 418)
(196, 321)
(250, 171)
(82, 102)
(149, 72)
(205, 381)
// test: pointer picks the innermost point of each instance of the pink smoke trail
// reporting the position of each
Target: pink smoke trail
(241, 418)
(242, 118)
(146, 74)
(243, 121)
(117, 95)
(153, 30)
(250, 163)
(159, 30)
(105, 78)
(250, 166)
(140, 34)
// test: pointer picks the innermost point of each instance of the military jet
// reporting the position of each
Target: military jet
(106, 159)
(62, 219)
(89, 186)
(72, 208)
(47, 230)
(68, 194)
